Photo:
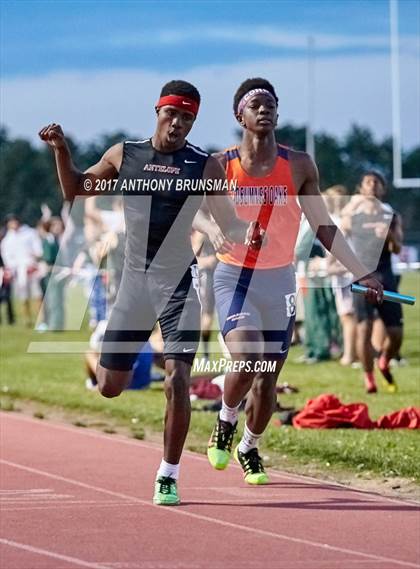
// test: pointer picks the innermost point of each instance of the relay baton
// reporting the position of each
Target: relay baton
(388, 295)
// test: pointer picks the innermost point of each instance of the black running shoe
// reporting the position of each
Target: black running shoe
(252, 466)
(220, 444)
(388, 381)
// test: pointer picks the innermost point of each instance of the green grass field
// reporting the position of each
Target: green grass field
(55, 383)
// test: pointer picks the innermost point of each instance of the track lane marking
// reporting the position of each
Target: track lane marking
(177, 510)
(48, 553)
(308, 480)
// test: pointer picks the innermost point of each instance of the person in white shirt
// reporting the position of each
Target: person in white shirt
(21, 249)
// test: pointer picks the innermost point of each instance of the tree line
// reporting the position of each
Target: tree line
(28, 175)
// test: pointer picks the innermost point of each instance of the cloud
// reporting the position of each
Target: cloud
(257, 35)
(263, 36)
(348, 90)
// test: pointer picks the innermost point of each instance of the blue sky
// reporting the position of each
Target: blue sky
(40, 37)
(51, 50)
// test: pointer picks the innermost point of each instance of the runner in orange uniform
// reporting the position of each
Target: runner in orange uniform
(256, 290)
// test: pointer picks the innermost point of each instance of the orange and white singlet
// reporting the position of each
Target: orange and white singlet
(271, 199)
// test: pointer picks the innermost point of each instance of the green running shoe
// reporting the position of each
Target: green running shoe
(166, 493)
(252, 466)
(220, 444)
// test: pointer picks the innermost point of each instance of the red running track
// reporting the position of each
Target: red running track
(74, 497)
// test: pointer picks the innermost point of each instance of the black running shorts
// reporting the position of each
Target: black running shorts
(143, 299)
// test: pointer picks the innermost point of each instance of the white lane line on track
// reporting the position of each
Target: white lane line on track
(43, 505)
(179, 511)
(29, 491)
(48, 553)
(68, 507)
(36, 500)
(309, 480)
(244, 565)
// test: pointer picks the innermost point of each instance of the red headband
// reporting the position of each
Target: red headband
(184, 103)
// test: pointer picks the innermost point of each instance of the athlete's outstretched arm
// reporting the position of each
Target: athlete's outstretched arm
(72, 180)
(223, 210)
(315, 210)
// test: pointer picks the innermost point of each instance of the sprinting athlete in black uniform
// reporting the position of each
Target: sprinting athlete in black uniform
(375, 232)
(160, 181)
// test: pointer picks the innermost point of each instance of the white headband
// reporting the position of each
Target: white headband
(249, 94)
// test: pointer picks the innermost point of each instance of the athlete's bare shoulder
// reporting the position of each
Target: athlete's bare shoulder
(221, 158)
(213, 169)
(110, 163)
(114, 155)
(304, 171)
(298, 158)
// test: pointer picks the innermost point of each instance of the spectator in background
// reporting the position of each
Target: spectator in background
(108, 219)
(43, 228)
(379, 330)
(92, 260)
(57, 285)
(105, 236)
(207, 261)
(73, 240)
(376, 232)
(321, 325)
(6, 292)
(112, 226)
(336, 198)
(53, 282)
(21, 250)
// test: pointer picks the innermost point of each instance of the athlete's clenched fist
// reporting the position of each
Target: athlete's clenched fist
(53, 135)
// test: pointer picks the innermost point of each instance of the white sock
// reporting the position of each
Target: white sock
(167, 469)
(229, 414)
(249, 440)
